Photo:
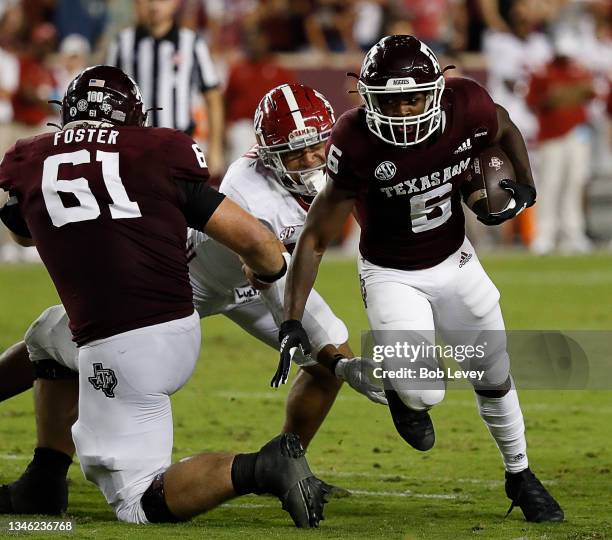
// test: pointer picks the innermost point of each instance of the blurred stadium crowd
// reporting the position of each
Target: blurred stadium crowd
(548, 62)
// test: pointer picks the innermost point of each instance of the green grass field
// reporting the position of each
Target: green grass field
(454, 491)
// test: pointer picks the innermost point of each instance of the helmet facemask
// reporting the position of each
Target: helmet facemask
(403, 130)
(305, 182)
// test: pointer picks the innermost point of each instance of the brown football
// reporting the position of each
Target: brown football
(481, 190)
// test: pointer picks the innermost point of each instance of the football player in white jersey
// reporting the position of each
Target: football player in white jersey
(276, 181)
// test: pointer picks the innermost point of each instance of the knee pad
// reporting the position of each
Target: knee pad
(420, 400)
(499, 392)
(51, 370)
(154, 505)
(495, 364)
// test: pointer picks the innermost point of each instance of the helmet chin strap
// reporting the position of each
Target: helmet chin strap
(313, 180)
(309, 183)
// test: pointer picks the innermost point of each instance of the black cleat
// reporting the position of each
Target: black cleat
(528, 493)
(36, 491)
(282, 470)
(415, 427)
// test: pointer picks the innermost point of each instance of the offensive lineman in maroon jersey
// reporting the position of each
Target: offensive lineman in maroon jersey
(107, 202)
(399, 161)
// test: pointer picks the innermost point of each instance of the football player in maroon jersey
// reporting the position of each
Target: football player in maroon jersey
(399, 161)
(276, 182)
(107, 202)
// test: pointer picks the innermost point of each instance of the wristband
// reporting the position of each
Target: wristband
(332, 365)
(274, 277)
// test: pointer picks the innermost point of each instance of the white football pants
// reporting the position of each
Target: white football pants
(455, 298)
(123, 436)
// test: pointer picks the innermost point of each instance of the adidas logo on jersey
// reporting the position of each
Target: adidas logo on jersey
(464, 259)
(465, 145)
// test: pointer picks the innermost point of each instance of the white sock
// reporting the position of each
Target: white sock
(504, 418)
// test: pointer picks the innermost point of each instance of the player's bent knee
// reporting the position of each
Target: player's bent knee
(334, 332)
(44, 324)
(499, 392)
(153, 503)
(420, 400)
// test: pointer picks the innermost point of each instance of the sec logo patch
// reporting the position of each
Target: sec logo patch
(385, 171)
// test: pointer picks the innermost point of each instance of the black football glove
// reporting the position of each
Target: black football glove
(524, 196)
(291, 335)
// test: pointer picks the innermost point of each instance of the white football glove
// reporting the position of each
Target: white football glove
(357, 373)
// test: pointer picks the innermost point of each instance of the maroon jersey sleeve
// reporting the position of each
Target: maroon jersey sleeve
(184, 158)
(6, 166)
(187, 167)
(10, 213)
(339, 152)
(479, 110)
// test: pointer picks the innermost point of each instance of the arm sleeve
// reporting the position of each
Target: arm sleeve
(338, 162)
(481, 112)
(198, 202)
(10, 213)
(185, 159)
(12, 218)
(187, 168)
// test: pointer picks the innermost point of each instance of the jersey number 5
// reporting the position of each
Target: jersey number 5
(88, 208)
(430, 209)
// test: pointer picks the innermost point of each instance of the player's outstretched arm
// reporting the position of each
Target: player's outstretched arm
(241, 232)
(325, 219)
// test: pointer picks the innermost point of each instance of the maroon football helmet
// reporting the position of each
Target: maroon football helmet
(288, 118)
(398, 66)
(103, 94)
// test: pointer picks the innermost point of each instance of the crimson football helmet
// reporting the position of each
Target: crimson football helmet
(103, 94)
(396, 66)
(288, 118)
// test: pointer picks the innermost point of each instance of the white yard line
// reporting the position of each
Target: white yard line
(368, 493)
(561, 406)
(402, 477)
(407, 493)
(248, 505)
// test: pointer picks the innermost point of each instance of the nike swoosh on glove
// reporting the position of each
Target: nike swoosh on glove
(291, 336)
(523, 195)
